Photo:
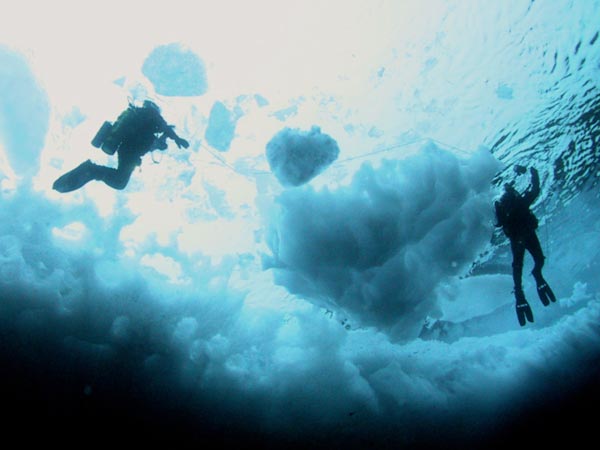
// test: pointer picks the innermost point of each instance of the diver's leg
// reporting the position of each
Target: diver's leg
(523, 309)
(518, 251)
(87, 171)
(532, 245)
(116, 178)
(119, 177)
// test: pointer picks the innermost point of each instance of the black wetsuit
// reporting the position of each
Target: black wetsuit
(519, 225)
(133, 135)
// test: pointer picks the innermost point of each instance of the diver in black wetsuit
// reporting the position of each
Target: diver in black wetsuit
(519, 225)
(137, 131)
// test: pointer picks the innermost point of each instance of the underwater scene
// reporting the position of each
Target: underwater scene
(279, 224)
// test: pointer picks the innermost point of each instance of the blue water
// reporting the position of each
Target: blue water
(350, 290)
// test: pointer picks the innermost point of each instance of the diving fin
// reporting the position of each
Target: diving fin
(545, 293)
(524, 312)
(75, 178)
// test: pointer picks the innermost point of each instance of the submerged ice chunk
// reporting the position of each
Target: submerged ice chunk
(378, 248)
(221, 127)
(24, 113)
(296, 157)
(175, 71)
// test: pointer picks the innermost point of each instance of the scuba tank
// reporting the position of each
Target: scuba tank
(102, 139)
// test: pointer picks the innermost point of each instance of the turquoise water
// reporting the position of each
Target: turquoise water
(350, 290)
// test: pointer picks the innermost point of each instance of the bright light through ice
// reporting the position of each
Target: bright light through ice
(322, 261)
(74, 231)
(164, 265)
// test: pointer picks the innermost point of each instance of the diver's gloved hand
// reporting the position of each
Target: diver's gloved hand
(520, 169)
(182, 143)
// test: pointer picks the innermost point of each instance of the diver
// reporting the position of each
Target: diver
(137, 131)
(519, 225)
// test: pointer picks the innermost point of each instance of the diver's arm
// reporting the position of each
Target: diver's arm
(534, 189)
(170, 133)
